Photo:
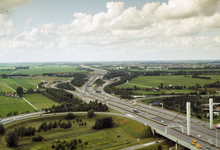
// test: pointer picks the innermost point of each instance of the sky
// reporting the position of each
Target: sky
(101, 30)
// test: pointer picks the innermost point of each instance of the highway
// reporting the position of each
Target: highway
(155, 117)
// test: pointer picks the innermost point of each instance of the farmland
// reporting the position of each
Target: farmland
(155, 81)
(103, 139)
(13, 104)
(49, 69)
(8, 104)
(39, 101)
(16, 82)
(4, 87)
(180, 80)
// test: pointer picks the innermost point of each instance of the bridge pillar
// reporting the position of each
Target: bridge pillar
(179, 147)
(211, 112)
(153, 131)
(188, 117)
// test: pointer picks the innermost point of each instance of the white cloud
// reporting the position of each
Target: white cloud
(157, 28)
(26, 24)
(217, 39)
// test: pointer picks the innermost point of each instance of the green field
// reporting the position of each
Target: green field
(16, 82)
(173, 70)
(39, 101)
(155, 81)
(9, 104)
(180, 80)
(103, 139)
(5, 88)
(49, 69)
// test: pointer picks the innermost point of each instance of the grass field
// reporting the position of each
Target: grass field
(155, 81)
(180, 80)
(173, 70)
(49, 69)
(103, 139)
(9, 104)
(4, 87)
(16, 82)
(39, 101)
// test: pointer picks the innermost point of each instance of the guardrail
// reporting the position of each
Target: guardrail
(173, 138)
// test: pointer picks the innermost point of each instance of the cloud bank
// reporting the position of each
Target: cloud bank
(172, 27)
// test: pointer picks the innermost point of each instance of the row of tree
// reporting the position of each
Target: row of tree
(66, 86)
(79, 79)
(80, 106)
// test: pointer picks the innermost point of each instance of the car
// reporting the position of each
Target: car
(136, 116)
(198, 121)
(177, 121)
(125, 106)
(199, 136)
(162, 121)
(54, 113)
(207, 147)
(184, 121)
(156, 141)
(203, 124)
(162, 114)
(40, 115)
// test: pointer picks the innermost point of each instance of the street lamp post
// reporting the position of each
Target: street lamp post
(216, 138)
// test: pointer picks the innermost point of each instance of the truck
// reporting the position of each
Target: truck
(198, 146)
(135, 110)
(193, 142)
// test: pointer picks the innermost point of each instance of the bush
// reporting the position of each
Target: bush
(12, 139)
(37, 139)
(69, 116)
(101, 123)
(90, 113)
(2, 129)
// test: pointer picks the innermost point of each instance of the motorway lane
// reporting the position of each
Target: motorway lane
(195, 133)
(130, 113)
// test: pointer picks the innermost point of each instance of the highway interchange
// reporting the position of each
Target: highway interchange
(155, 117)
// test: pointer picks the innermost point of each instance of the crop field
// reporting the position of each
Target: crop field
(8, 104)
(49, 69)
(4, 87)
(103, 139)
(155, 81)
(16, 82)
(173, 70)
(44, 78)
(39, 101)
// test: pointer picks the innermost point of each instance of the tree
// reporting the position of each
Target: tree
(86, 143)
(2, 129)
(90, 113)
(54, 125)
(19, 91)
(30, 91)
(79, 141)
(50, 126)
(12, 139)
(159, 148)
(53, 146)
(85, 124)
